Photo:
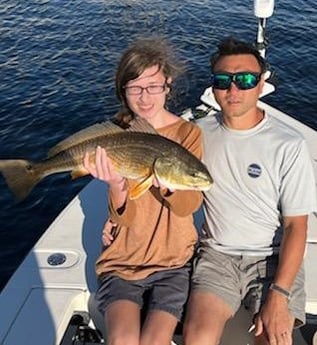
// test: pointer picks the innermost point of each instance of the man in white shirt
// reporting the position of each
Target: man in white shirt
(256, 212)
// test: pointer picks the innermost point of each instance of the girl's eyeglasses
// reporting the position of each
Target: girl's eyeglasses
(151, 90)
(242, 80)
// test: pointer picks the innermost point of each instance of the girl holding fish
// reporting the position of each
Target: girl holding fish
(155, 236)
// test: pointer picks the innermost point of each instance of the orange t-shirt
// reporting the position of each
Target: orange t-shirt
(155, 232)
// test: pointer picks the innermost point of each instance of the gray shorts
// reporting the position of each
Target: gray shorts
(237, 278)
(165, 290)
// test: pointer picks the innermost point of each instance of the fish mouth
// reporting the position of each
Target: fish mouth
(206, 188)
(203, 188)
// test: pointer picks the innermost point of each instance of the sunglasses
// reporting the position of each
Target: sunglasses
(242, 80)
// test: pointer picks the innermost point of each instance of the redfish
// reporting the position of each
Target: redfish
(137, 153)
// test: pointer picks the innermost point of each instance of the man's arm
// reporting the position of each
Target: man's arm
(292, 250)
(274, 318)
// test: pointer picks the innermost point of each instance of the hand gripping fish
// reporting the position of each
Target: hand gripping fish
(138, 153)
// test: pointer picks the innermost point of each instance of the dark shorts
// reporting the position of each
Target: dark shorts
(164, 290)
(237, 278)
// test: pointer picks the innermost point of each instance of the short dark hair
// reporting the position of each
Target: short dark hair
(233, 46)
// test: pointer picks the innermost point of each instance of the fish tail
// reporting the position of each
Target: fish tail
(20, 176)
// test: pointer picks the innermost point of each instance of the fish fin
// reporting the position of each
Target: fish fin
(140, 125)
(86, 134)
(136, 189)
(20, 176)
(80, 172)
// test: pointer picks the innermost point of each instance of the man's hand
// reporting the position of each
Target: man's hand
(108, 232)
(274, 321)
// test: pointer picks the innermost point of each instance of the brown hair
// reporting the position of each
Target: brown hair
(142, 54)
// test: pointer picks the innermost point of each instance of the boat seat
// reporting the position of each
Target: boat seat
(311, 274)
(55, 307)
(96, 315)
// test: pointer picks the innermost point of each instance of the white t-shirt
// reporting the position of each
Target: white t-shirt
(258, 175)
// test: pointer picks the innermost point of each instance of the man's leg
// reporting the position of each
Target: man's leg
(214, 298)
(206, 317)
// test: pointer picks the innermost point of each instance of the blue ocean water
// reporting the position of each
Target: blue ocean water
(57, 63)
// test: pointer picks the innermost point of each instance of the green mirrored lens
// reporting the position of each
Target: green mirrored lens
(246, 81)
(222, 81)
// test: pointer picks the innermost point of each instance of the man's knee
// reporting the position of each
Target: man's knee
(205, 319)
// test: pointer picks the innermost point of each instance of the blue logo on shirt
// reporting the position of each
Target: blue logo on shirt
(254, 170)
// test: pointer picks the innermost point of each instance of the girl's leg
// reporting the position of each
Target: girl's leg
(158, 328)
(122, 320)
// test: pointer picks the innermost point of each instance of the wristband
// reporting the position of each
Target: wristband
(280, 290)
